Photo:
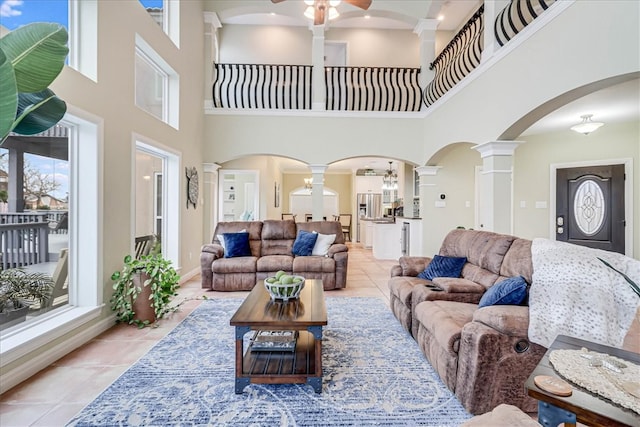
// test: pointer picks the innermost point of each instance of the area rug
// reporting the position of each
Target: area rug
(373, 374)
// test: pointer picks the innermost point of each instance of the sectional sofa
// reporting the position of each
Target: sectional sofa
(271, 245)
(483, 355)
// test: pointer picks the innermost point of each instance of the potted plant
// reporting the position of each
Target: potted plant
(143, 290)
(20, 289)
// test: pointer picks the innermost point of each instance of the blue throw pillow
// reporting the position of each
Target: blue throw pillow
(512, 291)
(443, 266)
(236, 244)
(303, 245)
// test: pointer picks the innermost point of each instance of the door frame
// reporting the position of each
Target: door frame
(628, 195)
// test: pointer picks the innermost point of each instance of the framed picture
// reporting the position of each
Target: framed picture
(276, 195)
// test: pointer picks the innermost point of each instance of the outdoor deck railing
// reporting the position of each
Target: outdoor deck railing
(24, 238)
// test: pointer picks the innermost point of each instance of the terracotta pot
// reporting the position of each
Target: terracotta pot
(142, 306)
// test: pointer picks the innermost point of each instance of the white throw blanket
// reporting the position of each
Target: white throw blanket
(573, 293)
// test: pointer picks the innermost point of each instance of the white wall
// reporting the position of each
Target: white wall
(368, 47)
(254, 44)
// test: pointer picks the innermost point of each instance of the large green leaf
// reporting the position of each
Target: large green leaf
(37, 52)
(8, 96)
(38, 112)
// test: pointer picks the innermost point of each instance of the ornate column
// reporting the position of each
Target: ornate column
(318, 95)
(426, 31)
(211, 198)
(428, 197)
(317, 199)
(496, 187)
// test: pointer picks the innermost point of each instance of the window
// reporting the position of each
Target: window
(84, 285)
(167, 14)
(156, 84)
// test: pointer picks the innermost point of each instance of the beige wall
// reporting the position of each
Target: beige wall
(456, 180)
(531, 180)
(253, 44)
(368, 47)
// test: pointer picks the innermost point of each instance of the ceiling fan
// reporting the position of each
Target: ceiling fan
(321, 8)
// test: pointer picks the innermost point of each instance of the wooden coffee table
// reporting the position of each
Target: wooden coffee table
(307, 315)
(582, 405)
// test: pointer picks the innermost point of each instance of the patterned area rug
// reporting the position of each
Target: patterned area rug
(373, 374)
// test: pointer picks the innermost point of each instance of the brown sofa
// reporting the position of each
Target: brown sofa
(271, 243)
(482, 355)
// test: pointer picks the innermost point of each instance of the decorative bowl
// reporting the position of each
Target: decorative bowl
(284, 291)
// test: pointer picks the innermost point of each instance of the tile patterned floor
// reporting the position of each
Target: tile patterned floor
(53, 396)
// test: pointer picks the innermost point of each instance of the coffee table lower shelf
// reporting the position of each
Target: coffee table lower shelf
(280, 367)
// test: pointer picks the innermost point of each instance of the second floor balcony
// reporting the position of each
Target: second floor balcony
(369, 88)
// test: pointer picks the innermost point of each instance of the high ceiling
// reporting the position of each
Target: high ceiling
(617, 103)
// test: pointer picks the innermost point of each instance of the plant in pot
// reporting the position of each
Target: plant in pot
(143, 290)
(19, 290)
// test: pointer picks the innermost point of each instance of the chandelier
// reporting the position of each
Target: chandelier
(308, 184)
(390, 179)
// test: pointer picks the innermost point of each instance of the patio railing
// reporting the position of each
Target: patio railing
(23, 244)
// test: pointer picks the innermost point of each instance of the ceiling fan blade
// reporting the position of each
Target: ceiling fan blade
(319, 16)
(277, 1)
(362, 4)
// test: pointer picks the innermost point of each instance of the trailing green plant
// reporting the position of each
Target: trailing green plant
(162, 278)
(4, 196)
(634, 285)
(31, 57)
(19, 288)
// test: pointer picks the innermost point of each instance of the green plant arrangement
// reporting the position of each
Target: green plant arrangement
(19, 290)
(634, 285)
(31, 57)
(144, 289)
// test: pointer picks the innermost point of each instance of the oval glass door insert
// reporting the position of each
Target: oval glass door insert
(589, 207)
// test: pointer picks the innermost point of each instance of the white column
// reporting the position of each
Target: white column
(212, 23)
(426, 31)
(317, 59)
(489, 19)
(317, 195)
(496, 185)
(211, 198)
(428, 196)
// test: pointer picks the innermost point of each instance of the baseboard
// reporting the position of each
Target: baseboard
(25, 370)
(190, 275)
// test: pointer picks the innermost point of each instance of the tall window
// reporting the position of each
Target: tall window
(157, 84)
(167, 14)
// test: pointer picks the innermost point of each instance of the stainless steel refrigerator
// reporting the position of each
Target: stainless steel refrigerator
(369, 207)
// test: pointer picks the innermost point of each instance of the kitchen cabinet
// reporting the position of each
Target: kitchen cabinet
(386, 240)
(368, 184)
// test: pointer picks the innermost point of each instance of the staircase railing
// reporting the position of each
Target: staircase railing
(517, 15)
(372, 89)
(457, 59)
(264, 86)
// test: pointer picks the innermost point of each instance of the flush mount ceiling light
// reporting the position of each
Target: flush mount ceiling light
(587, 125)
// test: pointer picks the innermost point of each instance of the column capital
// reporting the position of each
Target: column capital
(427, 170)
(213, 19)
(210, 167)
(318, 168)
(426, 27)
(317, 30)
(497, 148)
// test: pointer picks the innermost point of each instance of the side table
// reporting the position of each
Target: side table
(582, 405)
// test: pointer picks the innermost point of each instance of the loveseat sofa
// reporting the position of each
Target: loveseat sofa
(483, 354)
(271, 243)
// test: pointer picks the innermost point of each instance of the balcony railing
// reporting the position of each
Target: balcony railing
(457, 59)
(517, 15)
(262, 86)
(290, 87)
(372, 88)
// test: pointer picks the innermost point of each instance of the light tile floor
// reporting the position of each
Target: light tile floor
(53, 396)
